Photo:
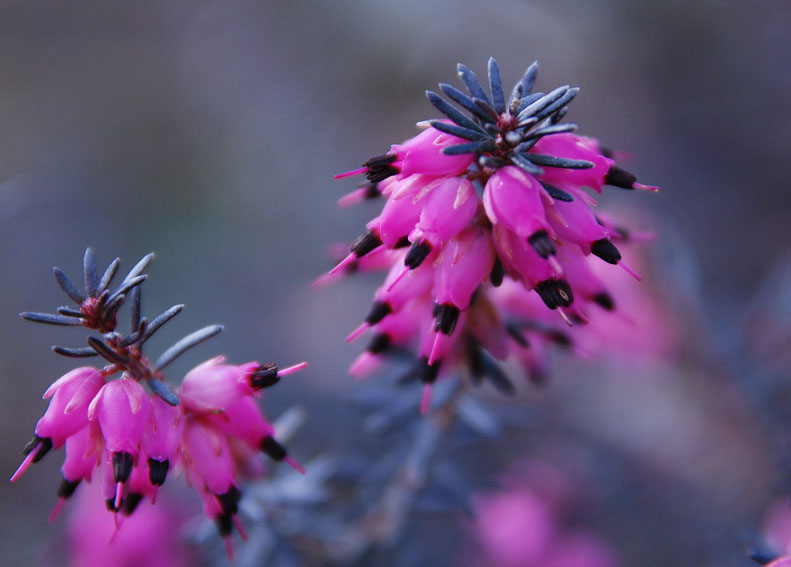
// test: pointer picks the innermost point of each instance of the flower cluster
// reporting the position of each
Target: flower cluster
(123, 424)
(482, 210)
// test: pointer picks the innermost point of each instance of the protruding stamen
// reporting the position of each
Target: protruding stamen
(365, 243)
(630, 271)
(23, 467)
(119, 494)
(272, 448)
(343, 264)
(56, 510)
(350, 173)
(356, 333)
(292, 369)
(294, 464)
(240, 528)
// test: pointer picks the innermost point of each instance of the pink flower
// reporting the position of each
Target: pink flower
(495, 197)
(525, 525)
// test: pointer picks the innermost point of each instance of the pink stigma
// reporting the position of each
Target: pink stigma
(295, 465)
(357, 332)
(433, 356)
(425, 401)
(343, 263)
(24, 466)
(229, 548)
(292, 369)
(646, 187)
(240, 528)
(56, 510)
(350, 173)
(119, 491)
(630, 271)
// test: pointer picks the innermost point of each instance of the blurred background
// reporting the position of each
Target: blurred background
(209, 132)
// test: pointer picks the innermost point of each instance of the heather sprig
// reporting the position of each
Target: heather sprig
(126, 421)
(483, 208)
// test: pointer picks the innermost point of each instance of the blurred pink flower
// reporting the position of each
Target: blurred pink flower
(524, 525)
(150, 537)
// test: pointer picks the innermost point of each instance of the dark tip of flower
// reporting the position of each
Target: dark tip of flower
(498, 273)
(618, 177)
(379, 310)
(42, 448)
(273, 449)
(67, 488)
(559, 338)
(402, 242)
(555, 293)
(379, 343)
(482, 365)
(229, 502)
(365, 243)
(607, 152)
(109, 503)
(604, 300)
(606, 250)
(542, 244)
(762, 557)
(418, 252)
(158, 471)
(446, 318)
(372, 191)
(379, 168)
(32, 444)
(122, 466)
(130, 503)
(428, 372)
(224, 524)
(265, 376)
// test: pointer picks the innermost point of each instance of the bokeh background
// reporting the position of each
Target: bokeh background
(209, 132)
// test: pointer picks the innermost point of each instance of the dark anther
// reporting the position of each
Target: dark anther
(559, 338)
(229, 502)
(555, 293)
(44, 446)
(417, 253)
(157, 471)
(265, 376)
(447, 317)
(428, 372)
(542, 244)
(67, 488)
(476, 363)
(372, 191)
(109, 503)
(131, 501)
(607, 152)
(380, 168)
(273, 449)
(32, 444)
(606, 250)
(604, 300)
(122, 466)
(515, 333)
(224, 524)
(498, 273)
(618, 177)
(365, 243)
(402, 242)
(379, 310)
(380, 343)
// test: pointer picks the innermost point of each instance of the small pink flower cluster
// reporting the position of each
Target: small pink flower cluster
(125, 425)
(475, 203)
(525, 525)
